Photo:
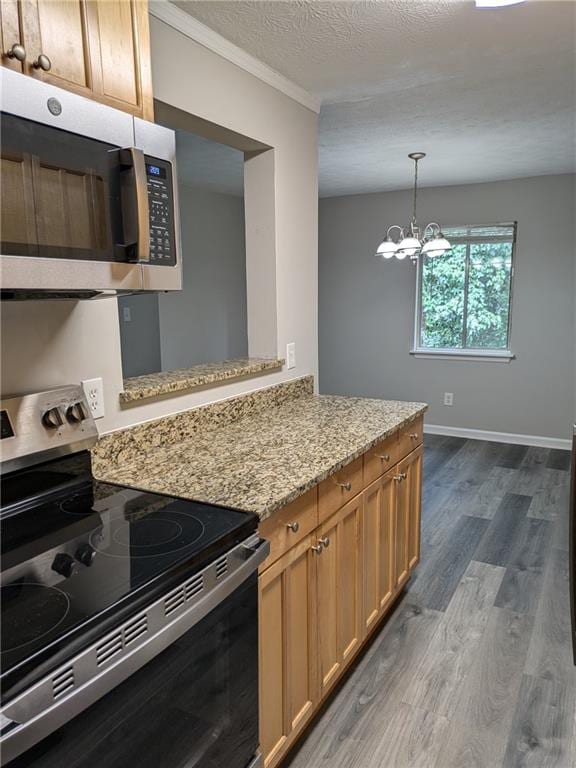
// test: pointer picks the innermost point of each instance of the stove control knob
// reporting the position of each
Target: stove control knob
(64, 565)
(76, 413)
(52, 418)
(85, 554)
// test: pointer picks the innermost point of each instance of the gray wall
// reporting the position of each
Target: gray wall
(140, 338)
(206, 321)
(366, 307)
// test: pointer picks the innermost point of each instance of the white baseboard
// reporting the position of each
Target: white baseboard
(499, 437)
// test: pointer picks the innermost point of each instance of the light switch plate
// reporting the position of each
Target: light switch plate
(291, 355)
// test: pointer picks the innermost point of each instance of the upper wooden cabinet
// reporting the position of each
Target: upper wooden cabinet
(97, 48)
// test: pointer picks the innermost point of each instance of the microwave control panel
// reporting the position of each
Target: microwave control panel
(161, 212)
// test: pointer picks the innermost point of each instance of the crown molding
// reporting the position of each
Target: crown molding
(180, 20)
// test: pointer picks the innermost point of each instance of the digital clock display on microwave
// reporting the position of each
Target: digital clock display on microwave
(155, 170)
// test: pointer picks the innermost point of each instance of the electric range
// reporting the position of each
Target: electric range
(118, 600)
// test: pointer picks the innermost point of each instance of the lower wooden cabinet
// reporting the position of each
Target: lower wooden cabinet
(288, 649)
(339, 590)
(412, 468)
(378, 543)
(325, 595)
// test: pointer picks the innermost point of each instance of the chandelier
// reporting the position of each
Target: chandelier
(410, 241)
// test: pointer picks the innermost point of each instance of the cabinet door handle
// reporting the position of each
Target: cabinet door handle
(17, 52)
(294, 527)
(42, 62)
(317, 548)
(347, 486)
(414, 436)
(400, 477)
(384, 457)
(325, 541)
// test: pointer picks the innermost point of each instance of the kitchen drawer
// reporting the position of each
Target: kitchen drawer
(342, 486)
(410, 437)
(289, 525)
(378, 460)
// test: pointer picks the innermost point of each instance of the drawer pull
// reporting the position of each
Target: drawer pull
(317, 548)
(325, 541)
(400, 477)
(414, 436)
(294, 527)
(384, 457)
(347, 486)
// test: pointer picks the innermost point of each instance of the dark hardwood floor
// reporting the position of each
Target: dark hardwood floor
(473, 669)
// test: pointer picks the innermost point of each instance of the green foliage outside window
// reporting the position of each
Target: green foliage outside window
(465, 297)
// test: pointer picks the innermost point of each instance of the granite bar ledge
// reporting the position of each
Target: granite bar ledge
(167, 382)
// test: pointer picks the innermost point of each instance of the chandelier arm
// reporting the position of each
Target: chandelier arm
(394, 226)
(431, 226)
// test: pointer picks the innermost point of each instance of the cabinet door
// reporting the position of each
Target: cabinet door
(10, 32)
(97, 48)
(124, 76)
(401, 526)
(378, 547)
(288, 652)
(60, 30)
(339, 568)
(412, 491)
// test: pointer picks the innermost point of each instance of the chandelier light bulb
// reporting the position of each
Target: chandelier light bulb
(387, 248)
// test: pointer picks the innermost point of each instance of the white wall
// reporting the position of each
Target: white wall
(46, 344)
(367, 307)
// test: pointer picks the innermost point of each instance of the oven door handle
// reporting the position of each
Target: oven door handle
(97, 670)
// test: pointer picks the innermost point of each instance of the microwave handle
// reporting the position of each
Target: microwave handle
(142, 213)
(135, 204)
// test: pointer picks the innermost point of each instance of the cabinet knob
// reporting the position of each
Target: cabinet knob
(325, 541)
(317, 548)
(42, 62)
(400, 477)
(17, 52)
(294, 527)
(384, 457)
(414, 436)
(347, 486)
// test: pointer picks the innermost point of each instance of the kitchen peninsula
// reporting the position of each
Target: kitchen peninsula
(336, 482)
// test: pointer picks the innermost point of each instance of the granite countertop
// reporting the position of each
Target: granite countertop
(167, 382)
(266, 459)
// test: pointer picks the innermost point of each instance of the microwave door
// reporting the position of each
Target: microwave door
(61, 200)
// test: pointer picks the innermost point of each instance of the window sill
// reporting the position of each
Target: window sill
(470, 355)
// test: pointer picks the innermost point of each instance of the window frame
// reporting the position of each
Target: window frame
(467, 353)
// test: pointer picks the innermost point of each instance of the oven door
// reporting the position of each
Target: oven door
(193, 705)
(72, 219)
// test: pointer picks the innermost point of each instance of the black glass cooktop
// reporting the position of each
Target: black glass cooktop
(78, 556)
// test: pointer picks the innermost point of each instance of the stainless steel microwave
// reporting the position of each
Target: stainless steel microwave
(88, 197)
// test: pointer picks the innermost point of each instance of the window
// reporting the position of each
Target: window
(464, 297)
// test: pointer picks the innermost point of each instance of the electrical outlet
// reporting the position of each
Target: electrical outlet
(127, 314)
(94, 390)
(291, 355)
(448, 398)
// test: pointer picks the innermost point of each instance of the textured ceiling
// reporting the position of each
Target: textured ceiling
(488, 94)
(208, 165)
